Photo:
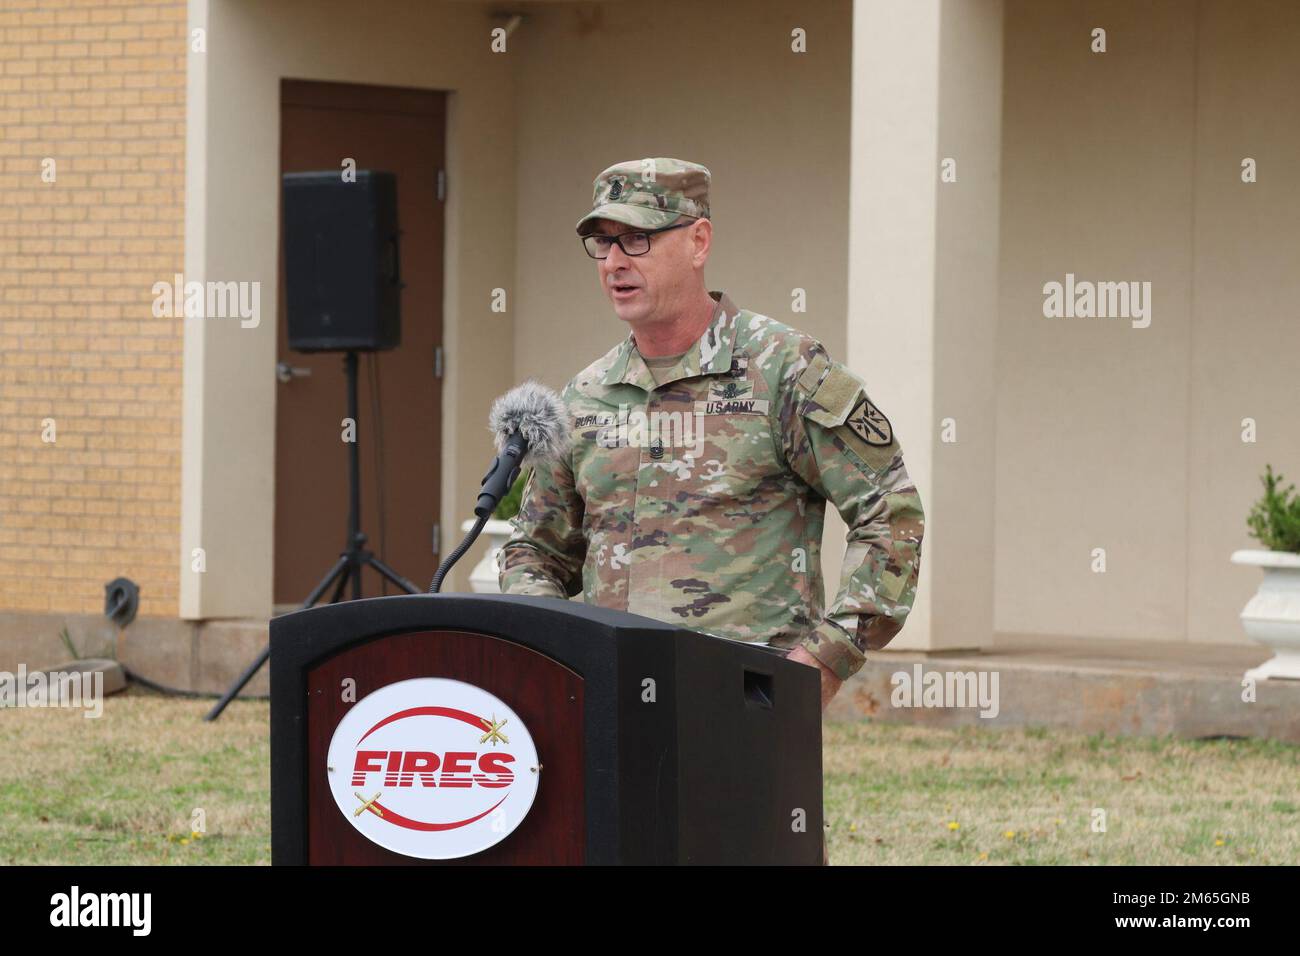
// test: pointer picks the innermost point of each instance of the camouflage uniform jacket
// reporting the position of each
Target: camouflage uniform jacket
(700, 501)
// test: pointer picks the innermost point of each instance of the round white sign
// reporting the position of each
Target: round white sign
(433, 768)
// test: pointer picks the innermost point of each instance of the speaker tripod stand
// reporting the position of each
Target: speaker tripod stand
(354, 557)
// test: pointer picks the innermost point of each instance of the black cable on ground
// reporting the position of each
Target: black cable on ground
(135, 678)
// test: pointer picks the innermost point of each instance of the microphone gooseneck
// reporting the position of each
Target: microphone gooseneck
(436, 584)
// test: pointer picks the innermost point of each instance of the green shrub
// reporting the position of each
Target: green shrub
(1274, 520)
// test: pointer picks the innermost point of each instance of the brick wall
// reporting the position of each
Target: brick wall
(98, 86)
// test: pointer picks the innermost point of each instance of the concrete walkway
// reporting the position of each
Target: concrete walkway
(1090, 685)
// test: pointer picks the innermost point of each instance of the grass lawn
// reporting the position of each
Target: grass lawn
(124, 789)
(899, 793)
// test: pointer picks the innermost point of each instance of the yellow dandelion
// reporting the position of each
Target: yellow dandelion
(1219, 842)
(853, 828)
(954, 825)
(1010, 834)
(185, 841)
(984, 856)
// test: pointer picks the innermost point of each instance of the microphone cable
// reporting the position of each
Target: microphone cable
(436, 584)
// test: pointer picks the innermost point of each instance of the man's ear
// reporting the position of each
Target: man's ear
(702, 240)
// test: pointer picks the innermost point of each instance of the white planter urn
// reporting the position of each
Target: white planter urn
(1273, 615)
(483, 579)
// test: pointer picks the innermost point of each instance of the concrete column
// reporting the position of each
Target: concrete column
(923, 264)
(228, 417)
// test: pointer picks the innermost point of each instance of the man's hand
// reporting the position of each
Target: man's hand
(830, 683)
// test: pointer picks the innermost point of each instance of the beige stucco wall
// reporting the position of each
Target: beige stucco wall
(231, 202)
(771, 125)
(1126, 166)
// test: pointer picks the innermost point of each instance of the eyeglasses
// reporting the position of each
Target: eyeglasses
(632, 243)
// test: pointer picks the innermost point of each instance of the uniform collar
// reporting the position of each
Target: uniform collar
(710, 355)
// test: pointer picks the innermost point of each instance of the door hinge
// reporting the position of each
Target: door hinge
(437, 361)
(442, 185)
(437, 534)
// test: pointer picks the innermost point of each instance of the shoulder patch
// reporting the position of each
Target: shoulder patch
(870, 423)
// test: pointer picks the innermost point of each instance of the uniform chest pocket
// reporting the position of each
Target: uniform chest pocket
(605, 477)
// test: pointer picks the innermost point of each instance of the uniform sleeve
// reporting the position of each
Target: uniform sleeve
(839, 442)
(545, 553)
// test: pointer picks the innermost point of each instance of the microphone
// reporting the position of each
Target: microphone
(528, 425)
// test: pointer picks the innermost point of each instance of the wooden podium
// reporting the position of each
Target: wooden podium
(565, 733)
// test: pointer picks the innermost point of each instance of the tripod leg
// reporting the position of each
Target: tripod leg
(354, 477)
(392, 575)
(339, 567)
(233, 691)
(343, 582)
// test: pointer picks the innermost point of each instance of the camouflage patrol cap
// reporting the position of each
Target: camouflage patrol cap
(649, 193)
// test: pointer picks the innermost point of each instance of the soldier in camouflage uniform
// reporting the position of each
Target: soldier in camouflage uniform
(695, 485)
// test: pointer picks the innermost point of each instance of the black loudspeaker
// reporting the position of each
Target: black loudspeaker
(341, 262)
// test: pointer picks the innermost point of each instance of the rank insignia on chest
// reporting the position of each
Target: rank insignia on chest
(729, 390)
(870, 424)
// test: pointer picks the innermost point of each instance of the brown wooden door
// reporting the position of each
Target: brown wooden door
(400, 131)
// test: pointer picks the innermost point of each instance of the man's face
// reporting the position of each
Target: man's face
(643, 288)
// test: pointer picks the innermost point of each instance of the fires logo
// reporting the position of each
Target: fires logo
(433, 768)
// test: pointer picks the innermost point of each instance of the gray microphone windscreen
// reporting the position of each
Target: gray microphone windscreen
(538, 414)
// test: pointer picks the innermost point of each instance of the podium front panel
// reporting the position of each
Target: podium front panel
(531, 684)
